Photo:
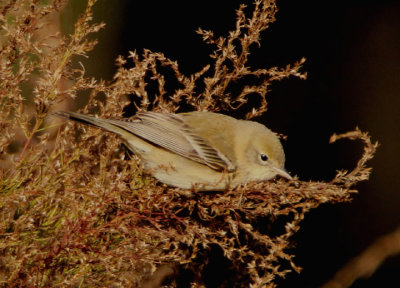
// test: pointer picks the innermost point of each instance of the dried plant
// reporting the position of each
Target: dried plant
(77, 210)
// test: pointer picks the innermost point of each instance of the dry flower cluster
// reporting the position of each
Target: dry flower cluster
(76, 209)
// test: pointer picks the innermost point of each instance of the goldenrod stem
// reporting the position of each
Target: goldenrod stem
(29, 140)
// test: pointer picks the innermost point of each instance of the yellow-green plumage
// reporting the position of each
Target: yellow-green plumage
(200, 150)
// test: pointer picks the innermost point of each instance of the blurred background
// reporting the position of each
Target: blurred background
(353, 64)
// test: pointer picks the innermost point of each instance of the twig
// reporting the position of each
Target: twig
(365, 264)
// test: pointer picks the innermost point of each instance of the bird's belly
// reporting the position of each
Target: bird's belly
(178, 171)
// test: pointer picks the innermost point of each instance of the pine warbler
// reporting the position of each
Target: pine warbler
(199, 150)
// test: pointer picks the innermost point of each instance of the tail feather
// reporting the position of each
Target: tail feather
(104, 124)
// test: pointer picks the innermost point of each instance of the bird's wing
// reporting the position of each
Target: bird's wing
(170, 132)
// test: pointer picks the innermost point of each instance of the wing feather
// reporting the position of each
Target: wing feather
(170, 132)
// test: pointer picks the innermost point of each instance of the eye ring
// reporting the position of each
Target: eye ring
(264, 157)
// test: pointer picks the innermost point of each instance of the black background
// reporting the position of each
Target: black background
(353, 64)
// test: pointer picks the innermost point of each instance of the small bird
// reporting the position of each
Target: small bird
(197, 150)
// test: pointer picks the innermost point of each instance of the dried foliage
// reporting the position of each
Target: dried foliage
(76, 210)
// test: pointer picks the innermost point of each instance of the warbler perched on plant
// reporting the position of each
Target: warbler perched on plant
(200, 150)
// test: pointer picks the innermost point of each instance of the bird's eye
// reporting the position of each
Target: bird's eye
(264, 157)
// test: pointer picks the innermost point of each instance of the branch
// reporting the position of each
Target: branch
(365, 264)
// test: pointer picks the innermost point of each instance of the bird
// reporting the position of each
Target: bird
(197, 150)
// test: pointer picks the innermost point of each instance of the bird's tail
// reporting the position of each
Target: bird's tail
(105, 124)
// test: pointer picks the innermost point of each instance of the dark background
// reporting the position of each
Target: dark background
(353, 65)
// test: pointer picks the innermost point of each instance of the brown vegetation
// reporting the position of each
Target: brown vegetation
(76, 209)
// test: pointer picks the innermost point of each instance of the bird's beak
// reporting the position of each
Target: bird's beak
(283, 173)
